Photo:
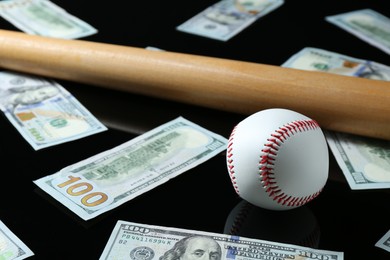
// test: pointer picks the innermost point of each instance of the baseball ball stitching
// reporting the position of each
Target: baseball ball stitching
(269, 152)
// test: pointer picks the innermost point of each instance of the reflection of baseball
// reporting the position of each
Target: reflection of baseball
(298, 226)
(277, 159)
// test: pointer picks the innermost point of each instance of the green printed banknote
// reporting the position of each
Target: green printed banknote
(315, 59)
(11, 247)
(227, 18)
(364, 161)
(366, 24)
(111, 178)
(139, 241)
(384, 242)
(42, 17)
(44, 112)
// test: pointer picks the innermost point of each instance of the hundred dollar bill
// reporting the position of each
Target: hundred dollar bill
(111, 178)
(227, 18)
(366, 24)
(42, 17)
(11, 247)
(365, 162)
(326, 61)
(44, 112)
(139, 241)
(384, 242)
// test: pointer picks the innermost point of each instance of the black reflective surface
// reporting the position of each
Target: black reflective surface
(203, 198)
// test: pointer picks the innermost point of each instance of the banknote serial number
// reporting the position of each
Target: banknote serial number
(126, 237)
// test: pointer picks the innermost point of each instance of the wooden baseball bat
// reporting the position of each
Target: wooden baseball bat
(340, 103)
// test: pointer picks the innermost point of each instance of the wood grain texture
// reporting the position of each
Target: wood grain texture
(340, 103)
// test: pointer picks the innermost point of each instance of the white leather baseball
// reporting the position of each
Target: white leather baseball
(277, 159)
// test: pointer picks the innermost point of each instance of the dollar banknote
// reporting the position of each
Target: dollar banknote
(366, 24)
(315, 59)
(384, 242)
(44, 112)
(227, 18)
(111, 178)
(365, 162)
(11, 247)
(43, 17)
(140, 241)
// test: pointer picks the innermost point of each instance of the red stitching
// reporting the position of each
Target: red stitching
(267, 160)
(230, 160)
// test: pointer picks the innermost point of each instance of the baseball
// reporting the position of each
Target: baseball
(277, 159)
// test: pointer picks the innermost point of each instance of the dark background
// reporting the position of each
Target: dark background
(340, 219)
